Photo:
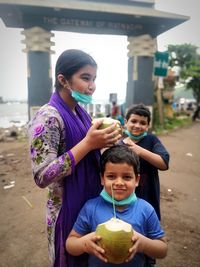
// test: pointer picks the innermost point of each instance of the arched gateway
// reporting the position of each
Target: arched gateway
(135, 18)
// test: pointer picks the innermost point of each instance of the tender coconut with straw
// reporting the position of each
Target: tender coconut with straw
(116, 239)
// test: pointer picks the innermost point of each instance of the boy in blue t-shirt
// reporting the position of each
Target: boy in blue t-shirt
(120, 174)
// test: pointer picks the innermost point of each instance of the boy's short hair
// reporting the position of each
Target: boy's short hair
(120, 154)
(140, 110)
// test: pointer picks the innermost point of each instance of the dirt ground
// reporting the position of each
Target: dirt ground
(23, 232)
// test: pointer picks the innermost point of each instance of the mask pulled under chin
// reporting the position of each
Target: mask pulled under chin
(135, 137)
(82, 98)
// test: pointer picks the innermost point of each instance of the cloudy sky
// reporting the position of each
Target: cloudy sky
(112, 66)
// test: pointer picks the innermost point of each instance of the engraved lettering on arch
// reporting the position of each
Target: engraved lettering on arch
(90, 23)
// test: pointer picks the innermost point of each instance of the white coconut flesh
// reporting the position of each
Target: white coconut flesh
(107, 122)
(116, 239)
(115, 225)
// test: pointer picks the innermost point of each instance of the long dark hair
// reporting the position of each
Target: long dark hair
(69, 62)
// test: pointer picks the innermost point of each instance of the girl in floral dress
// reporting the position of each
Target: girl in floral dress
(64, 150)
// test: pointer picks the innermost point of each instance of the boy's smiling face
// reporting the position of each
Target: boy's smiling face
(122, 178)
(137, 124)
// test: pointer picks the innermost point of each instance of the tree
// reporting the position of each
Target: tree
(182, 55)
(193, 83)
(188, 59)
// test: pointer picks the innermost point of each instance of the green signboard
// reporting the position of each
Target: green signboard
(161, 61)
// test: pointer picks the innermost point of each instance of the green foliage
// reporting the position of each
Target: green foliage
(172, 124)
(188, 59)
(169, 123)
(194, 82)
(182, 55)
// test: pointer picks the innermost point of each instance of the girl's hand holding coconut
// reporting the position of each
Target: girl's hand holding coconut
(99, 136)
(104, 132)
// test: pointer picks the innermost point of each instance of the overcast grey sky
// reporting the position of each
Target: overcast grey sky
(112, 66)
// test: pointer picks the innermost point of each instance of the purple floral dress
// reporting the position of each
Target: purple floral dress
(50, 163)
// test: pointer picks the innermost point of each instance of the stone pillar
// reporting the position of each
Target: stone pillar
(38, 49)
(140, 85)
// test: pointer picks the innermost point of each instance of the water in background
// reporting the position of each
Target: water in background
(16, 113)
(13, 114)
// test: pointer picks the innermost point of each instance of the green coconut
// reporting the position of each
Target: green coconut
(107, 122)
(116, 239)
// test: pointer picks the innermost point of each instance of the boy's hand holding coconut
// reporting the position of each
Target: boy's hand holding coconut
(86, 244)
(113, 246)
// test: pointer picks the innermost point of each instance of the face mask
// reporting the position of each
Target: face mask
(135, 137)
(82, 98)
(127, 201)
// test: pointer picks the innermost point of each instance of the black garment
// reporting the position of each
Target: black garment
(149, 262)
(196, 113)
(149, 185)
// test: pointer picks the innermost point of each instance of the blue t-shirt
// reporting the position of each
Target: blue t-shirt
(141, 215)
